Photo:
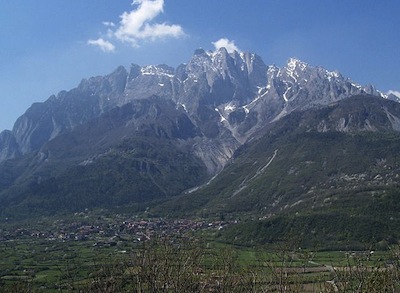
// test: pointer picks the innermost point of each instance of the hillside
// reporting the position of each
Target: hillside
(331, 174)
(131, 155)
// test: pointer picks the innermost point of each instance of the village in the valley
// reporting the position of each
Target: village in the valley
(105, 231)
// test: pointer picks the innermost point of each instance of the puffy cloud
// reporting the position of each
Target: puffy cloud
(227, 44)
(138, 24)
(104, 45)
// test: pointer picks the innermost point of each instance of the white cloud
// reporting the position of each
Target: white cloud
(104, 45)
(396, 93)
(109, 23)
(227, 44)
(138, 24)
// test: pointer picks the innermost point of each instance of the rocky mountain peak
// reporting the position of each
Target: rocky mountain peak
(294, 64)
(199, 51)
(228, 96)
(158, 70)
(105, 87)
(392, 97)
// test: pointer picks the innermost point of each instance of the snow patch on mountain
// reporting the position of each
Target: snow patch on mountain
(222, 118)
(157, 70)
(293, 67)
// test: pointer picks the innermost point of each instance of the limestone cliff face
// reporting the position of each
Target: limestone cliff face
(8, 146)
(228, 97)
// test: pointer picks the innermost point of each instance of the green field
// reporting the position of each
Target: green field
(183, 264)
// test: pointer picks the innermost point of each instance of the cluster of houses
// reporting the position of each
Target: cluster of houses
(136, 230)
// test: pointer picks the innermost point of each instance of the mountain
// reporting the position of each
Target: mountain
(224, 95)
(328, 174)
(152, 132)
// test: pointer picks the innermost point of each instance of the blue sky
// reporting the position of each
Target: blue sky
(49, 45)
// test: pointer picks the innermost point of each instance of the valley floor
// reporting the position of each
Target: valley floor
(88, 253)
